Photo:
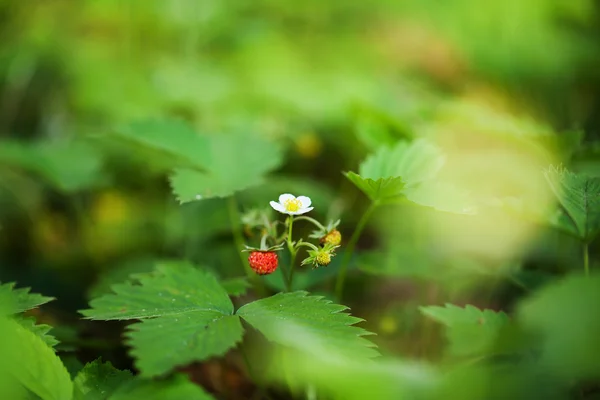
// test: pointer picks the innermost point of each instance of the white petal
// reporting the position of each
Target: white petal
(278, 207)
(305, 201)
(301, 211)
(285, 197)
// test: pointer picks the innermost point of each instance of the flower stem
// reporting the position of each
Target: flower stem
(234, 216)
(586, 259)
(307, 244)
(339, 284)
(312, 221)
(292, 249)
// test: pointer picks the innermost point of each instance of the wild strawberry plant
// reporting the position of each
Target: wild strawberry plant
(302, 344)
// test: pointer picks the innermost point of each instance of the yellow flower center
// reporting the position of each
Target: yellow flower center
(292, 205)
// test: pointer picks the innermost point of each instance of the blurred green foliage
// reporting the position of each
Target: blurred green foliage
(448, 108)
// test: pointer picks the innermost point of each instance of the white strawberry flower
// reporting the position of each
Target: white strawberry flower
(292, 205)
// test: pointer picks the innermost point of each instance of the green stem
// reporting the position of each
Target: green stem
(307, 244)
(339, 284)
(312, 221)
(586, 259)
(292, 251)
(234, 216)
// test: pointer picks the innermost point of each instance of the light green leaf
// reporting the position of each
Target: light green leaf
(54, 161)
(21, 299)
(417, 161)
(387, 173)
(286, 317)
(579, 196)
(175, 388)
(380, 189)
(171, 141)
(189, 185)
(98, 381)
(40, 330)
(470, 331)
(30, 363)
(344, 379)
(233, 162)
(565, 315)
(192, 317)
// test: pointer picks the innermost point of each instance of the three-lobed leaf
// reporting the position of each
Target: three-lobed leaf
(579, 198)
(187, 316)
(286, 318)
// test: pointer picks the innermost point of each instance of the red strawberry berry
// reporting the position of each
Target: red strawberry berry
(263, 262)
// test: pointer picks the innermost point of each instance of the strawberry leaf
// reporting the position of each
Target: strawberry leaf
(186, 316)
(286, 317)
(53, 161)
(579, 198)
(470, 331)
(175, 388)
(40, 330)
(565, 316)
(253, 155)
(28, 362)
(387, 174)
(172, 142)
(20, 299)
(98, 381)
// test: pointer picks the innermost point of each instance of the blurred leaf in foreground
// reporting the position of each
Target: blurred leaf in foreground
(566, 316)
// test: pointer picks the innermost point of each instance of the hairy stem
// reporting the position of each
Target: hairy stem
(292, 249)
(586, 259)
(339, 284)
(312, 221)
(234, 216)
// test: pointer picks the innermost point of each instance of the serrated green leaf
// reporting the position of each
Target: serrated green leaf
(391, 170)
(565, 315)
(286, 317)
(192, 317)
(253, 155)
(175, 388)
(380, 189)
(579, 196)
(470, 331)
(40, 330)
(21, 299)
(235, 286)
(98, 381)
(54, 161)
(415, 162)
(160, 344)
(30, 363)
